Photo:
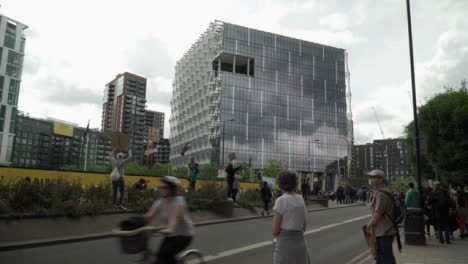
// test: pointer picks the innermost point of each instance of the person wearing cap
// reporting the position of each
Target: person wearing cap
(174, 216)
(381, 223)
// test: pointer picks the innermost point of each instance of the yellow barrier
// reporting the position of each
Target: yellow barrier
(15, 174)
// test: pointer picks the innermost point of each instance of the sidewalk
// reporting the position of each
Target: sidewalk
(434, 252)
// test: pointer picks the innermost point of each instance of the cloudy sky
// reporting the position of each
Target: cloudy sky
(74, 48)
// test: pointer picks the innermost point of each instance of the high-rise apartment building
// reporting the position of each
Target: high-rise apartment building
(388, 155)
(124, 110)
(261, 95)
(12, 44)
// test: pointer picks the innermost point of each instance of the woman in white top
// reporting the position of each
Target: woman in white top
(289, 222)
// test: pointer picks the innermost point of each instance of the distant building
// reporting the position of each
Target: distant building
(124, 110)
(12, 44)
(48, 144)
(162, 150)
(154, 119)
(372, 156)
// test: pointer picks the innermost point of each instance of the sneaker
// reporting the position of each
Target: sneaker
(230, 199)
(122, 207)
(116, 207)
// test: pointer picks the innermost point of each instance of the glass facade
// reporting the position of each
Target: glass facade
(14, 64)
(10, 35)
(280, 99)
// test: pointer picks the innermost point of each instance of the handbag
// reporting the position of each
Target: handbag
(115, 175)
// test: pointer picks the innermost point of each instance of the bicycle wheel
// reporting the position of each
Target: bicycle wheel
(192, 256)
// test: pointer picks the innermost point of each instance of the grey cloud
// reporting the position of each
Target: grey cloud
(150, 57)
(56, 91)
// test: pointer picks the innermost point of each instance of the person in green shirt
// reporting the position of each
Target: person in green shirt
(194, 170)
(412, 197)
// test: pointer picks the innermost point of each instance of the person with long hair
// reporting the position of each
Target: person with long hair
(290, 222)
(178, 228)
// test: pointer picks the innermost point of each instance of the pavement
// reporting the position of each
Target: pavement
(333, 236)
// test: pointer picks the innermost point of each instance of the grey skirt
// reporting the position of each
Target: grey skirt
(291, 248)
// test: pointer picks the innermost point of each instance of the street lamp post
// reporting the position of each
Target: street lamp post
(418, 236)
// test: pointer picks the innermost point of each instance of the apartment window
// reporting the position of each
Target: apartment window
(13, 92)
(14, 114)
(2, 117)
(14, 64)
(10, 35)
(2, 80)
(23, 43)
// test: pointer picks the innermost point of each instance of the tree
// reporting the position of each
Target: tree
(273, 169)
(443, 123)
(401, 184)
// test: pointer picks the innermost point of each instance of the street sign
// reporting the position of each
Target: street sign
(221, 172)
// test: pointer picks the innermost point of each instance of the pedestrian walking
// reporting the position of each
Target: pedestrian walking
(441, 204)
(428, 211)
(462, 210)
(381, 222)
(231, 171)
(117, 176)
(304, 189)
(266, 197)
(289, 222)
(194, 170)
(412, 198)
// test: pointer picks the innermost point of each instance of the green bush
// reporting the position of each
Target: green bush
(250, 198)
(97, 198)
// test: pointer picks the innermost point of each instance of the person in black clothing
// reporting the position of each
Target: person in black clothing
(266, 197)
(427, 209)
(442, 205)
(231, 171)
(304, 187)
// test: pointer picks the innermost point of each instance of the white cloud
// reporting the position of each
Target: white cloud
(336, 21)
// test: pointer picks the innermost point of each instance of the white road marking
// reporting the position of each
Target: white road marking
(270, 242)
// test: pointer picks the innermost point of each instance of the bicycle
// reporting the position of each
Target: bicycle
(136, 241)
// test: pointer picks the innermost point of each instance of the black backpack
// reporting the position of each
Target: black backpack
(398, 217)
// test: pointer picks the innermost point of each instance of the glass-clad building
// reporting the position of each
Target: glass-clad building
(261, 95)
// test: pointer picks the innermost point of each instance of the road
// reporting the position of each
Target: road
(333, 236)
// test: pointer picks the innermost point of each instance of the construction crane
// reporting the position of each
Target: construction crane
(386, 144)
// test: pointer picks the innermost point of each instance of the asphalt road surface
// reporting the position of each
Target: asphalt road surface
(333, 236)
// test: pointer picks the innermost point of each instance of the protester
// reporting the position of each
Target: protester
(231, 171)
(441, 204)
(289, 222)
(178, 228)
(381, 223)
(117, 176)
(266, 197)
(412, 198)
(194, 170)
(236, 185)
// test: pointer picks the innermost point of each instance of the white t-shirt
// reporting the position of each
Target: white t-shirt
(292, 208)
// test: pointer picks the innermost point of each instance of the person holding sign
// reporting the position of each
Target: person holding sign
(117, 176)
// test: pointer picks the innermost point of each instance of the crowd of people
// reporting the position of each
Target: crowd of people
(444, 209)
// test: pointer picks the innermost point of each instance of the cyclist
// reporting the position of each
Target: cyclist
(172, 211)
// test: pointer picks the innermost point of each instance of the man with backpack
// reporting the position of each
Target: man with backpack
(384, 222)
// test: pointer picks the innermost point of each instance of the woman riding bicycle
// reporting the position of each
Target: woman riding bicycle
(172, 211)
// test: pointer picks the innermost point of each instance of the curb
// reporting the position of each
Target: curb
(73, 239)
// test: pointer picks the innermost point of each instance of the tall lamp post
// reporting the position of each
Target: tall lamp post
(417, 224)
(224, 129)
